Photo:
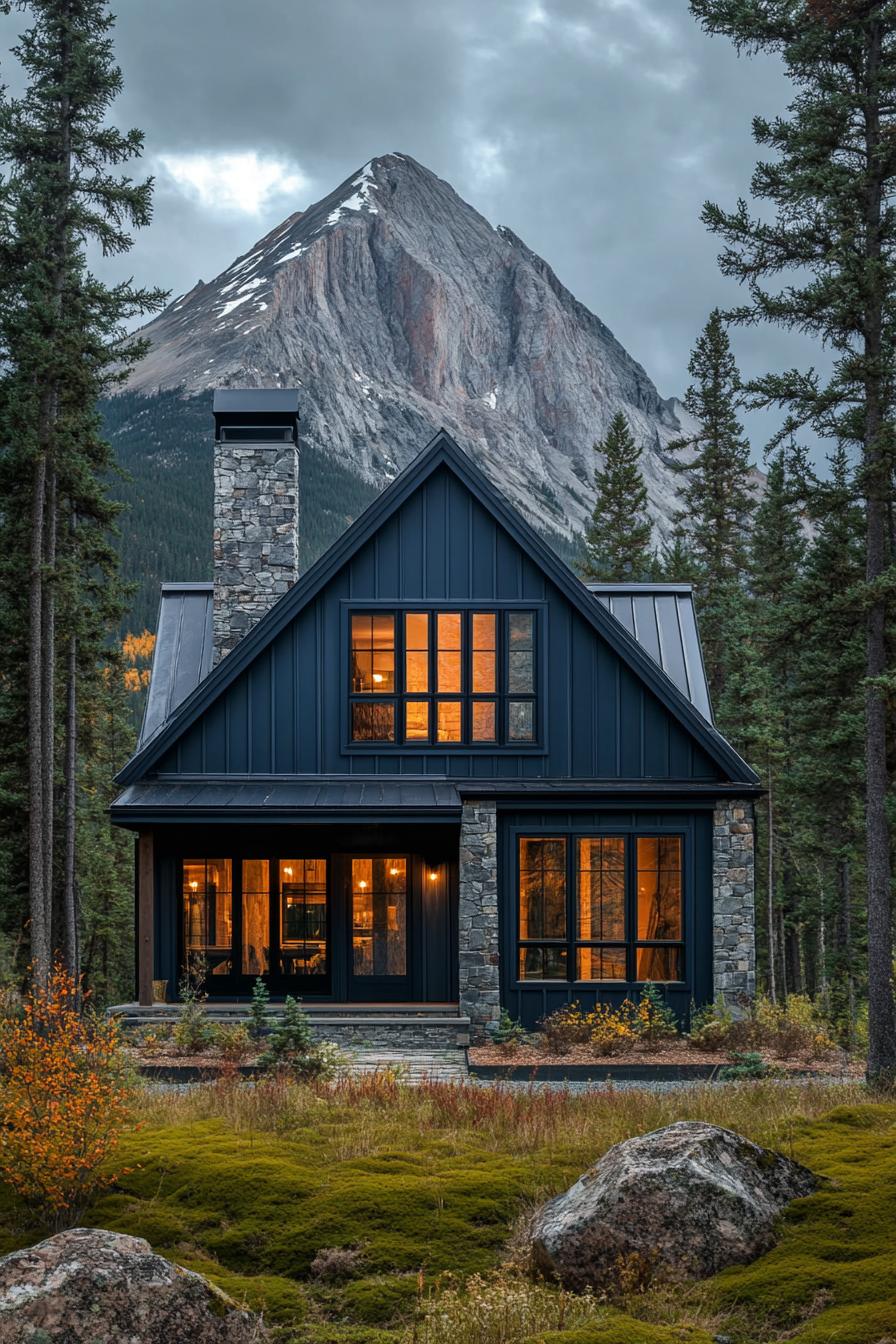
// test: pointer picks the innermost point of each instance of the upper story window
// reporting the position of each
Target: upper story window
(443, 678)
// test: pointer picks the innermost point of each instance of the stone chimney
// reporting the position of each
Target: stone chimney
(256, 535)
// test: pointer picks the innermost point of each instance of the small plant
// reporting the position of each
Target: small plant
(500, 1307)
(745, 1065)
(653, 1019)
(193, 1033)
(259, 1009)
(234, 1042)
(566, 1028)
(612, 1030)
(64, 1098)
(713, 1027)
(291, 1045)
(335, 1264)
(507, 1034)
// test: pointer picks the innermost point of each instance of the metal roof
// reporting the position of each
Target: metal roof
(661, 617)
(183, 652)
(323, 797)
(231, 400)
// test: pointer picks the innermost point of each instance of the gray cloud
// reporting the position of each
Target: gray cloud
(595, 129)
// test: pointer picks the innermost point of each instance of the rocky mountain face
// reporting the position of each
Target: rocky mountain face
(397, 309)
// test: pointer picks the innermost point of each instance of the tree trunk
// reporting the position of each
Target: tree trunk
(48, 696)
(71, 765)
(772, 979)
(40, 933)
(881, 1020)
(846, 923)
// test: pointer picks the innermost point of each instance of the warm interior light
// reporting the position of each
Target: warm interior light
(393, 872)
(377, 676)
(433, 875)
(362, 885)
(194, 886)
(287, 872)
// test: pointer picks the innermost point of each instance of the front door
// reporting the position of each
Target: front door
(379, 906)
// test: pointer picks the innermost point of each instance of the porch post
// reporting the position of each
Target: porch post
(145, 916)
(478, 978)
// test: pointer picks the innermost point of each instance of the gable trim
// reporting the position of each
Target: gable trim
(441, 451)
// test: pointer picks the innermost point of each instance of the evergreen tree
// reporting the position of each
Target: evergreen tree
(828, 774)
(777, 550)
(716, 502)
(826, 237)
(617, 540)
(62, 344)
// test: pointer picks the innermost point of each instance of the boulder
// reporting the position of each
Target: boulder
(88, 1286)
(680, 1203)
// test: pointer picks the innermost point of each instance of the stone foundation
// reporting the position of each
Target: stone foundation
(478, 972)
(256, 542)
(733, 901)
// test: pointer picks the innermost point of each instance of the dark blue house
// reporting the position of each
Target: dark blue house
(436, 768)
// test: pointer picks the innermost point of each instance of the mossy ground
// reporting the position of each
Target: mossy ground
(247, 1186)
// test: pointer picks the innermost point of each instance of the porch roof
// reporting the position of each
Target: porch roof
(288, 799)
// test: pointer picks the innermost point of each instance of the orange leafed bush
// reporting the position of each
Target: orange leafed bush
(64, 1098)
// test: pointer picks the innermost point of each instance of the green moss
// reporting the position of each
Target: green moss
(617, 1328)
(833, 1272)
(381, 1299)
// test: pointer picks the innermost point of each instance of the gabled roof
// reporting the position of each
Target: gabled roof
(661, 617)
(442, 451)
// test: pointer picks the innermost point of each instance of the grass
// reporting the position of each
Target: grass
(430, 1185)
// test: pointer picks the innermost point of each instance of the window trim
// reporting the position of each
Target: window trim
(501, 607)
(573, 834)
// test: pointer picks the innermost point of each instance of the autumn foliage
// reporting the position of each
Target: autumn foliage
(63, 1100)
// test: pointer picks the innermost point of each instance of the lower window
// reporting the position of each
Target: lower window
(208, 914)
(601, 908)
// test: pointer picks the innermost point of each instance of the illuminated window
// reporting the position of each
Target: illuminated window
(601, 908)
(256, 917)
(208, 915)
(660, 949)
(303, 916)
(443, 678)
(379, 917)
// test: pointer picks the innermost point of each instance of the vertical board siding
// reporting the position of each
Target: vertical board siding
(288, 713)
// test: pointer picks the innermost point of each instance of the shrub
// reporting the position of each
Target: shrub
(745, 1065)
(335, 1264)
(291, 1044)
(258, 1009)
(712, 1027)
(234, 1042)
(566, 1028)
(64, 1096)
(507, 1033)
(499, 1307)
(612, 1029)
(653, 1020)
(792, 1028)
(193, 1033)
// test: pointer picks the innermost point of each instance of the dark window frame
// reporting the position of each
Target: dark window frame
(399, 698)
(571, 943)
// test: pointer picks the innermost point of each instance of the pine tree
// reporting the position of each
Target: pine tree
(776, 558)
(62, 344)
(716, 502)
(825, 238)
(618, 537)
(828, 774)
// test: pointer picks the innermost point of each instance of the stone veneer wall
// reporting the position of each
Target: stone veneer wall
(733, 901)
(478, 983)
(256, 540)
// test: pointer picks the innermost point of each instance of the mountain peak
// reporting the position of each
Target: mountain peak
(396, 308)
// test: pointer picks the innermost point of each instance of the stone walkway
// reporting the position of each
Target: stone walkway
(413, 1066)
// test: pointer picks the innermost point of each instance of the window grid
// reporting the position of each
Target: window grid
(443, 677)
(623, 902)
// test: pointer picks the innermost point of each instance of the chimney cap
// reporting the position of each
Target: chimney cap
(261, 414)
(235, 399)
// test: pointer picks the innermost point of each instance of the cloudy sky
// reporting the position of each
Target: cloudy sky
(595, 129)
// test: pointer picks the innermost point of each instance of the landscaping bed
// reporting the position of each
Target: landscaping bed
(676, 1056)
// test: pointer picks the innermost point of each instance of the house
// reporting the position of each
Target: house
(434, 769)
